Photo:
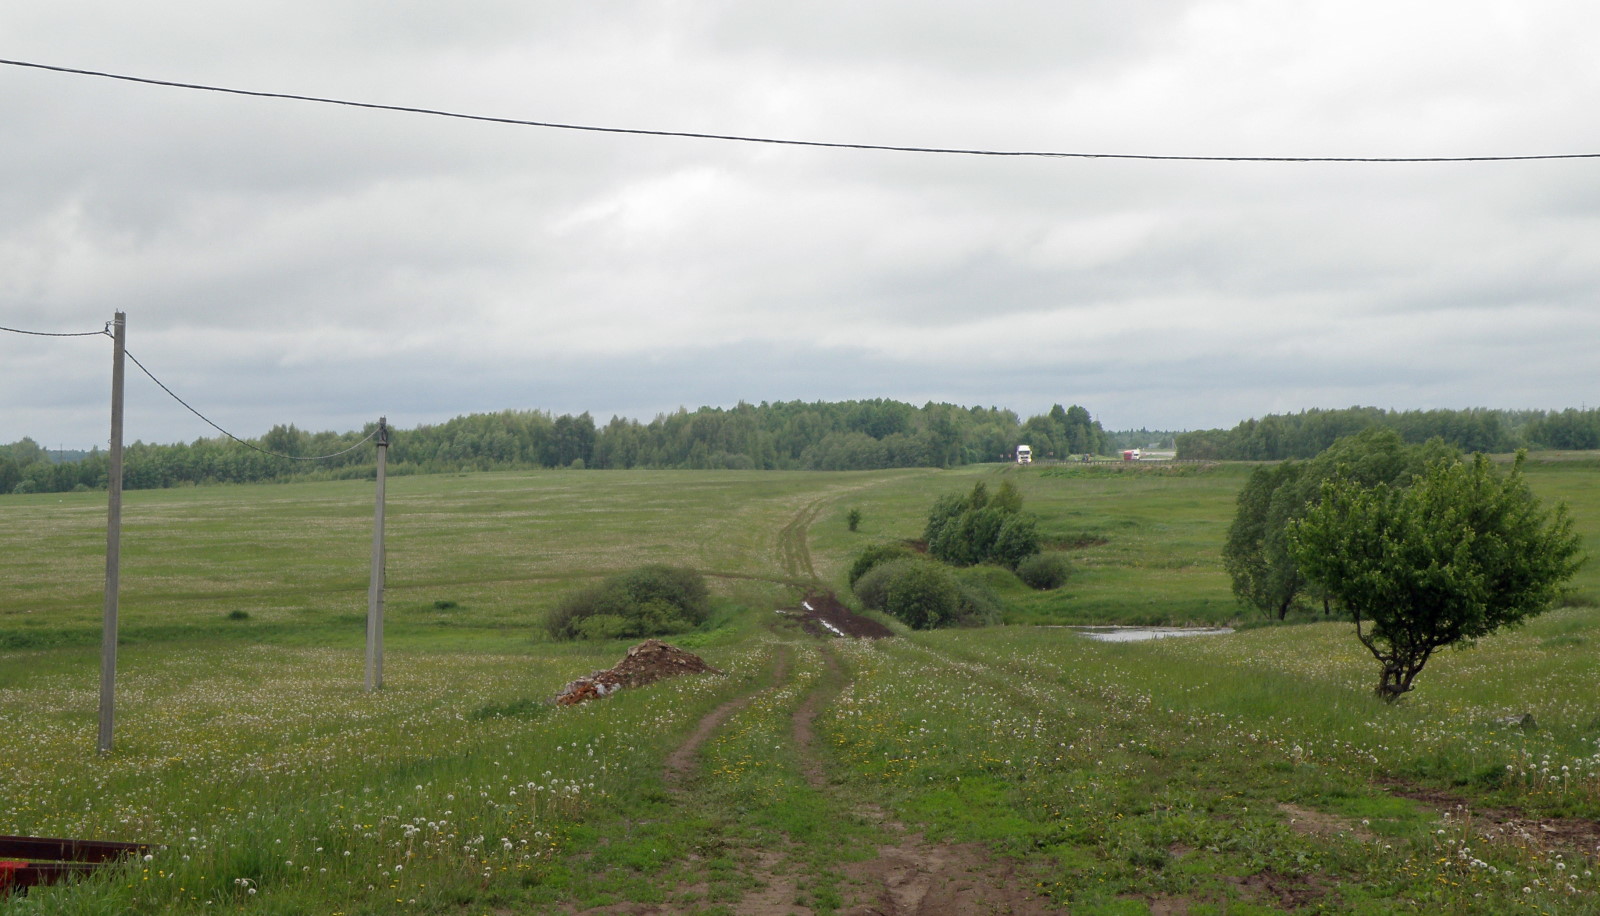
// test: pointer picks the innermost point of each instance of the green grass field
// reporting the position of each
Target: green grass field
(1253, 773)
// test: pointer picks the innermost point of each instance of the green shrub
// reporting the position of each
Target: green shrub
(872, 589)
(653, 600)
(977, 528)
(876, 555)
(926, 594)
(923, 596)
(1044, 571)
(995, 578)
(601, 626)
(978, 605)
(1017, 540)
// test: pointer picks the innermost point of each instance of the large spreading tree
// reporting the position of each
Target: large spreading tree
(1459, 552)
(1257, 554)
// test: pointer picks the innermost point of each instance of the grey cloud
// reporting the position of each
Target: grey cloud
(288, 262)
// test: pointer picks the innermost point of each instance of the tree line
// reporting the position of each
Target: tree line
(785, 435)
(1277, 437)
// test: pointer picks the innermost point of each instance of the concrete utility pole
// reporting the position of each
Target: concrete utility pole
(375, 588)
(108, 632)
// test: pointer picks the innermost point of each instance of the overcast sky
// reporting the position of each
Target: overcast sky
(292, 262)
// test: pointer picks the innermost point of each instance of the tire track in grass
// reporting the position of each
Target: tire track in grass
(906, 876)
(794, 549)
(805, 715)
(680, 763)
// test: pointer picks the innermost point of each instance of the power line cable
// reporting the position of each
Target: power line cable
(242, 442)
(105, 332)
(953, 151)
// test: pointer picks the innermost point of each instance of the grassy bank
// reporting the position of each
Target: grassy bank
(1251, 773)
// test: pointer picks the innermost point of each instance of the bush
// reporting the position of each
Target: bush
(978, 605)
(1017, 540)
(872, 589)
(923, 596)
(876, 555)
(978, 528)
(1044, 571)
(651, 600)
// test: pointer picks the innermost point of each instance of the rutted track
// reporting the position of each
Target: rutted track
(904, 875)
(794, 549)
(680, 763)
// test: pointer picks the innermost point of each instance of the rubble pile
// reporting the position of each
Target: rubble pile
(646, 663)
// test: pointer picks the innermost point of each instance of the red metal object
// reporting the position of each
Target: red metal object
(46, 860)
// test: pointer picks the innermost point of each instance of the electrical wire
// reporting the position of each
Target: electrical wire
(105, 332)
(242, 442)
(952, 151)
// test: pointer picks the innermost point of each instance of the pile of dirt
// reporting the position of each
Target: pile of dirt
(646, 663)
(821, 614)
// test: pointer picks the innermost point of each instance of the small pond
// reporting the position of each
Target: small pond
(1139, 634)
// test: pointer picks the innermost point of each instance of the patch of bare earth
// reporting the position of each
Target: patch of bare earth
(915, 878)
(1284, 891)
(823, 614)
(1320, 823)
(1281, 892)
(1509, 825)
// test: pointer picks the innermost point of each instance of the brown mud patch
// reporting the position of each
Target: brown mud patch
(822, 614)
(910, 876)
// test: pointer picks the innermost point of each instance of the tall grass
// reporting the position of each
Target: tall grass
(247, 747)
(269, 775)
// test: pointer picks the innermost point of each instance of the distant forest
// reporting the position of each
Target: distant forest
(790, 435)
(1303, 435)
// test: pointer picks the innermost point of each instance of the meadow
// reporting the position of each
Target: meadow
(1252, 773)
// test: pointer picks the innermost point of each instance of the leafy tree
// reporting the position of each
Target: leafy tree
(1459, 553)
(284, 440)
(977, 528)
(1303, 435)
(1257, 554)
(1016, 541)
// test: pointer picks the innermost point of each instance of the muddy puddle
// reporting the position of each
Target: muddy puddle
(1140, 634)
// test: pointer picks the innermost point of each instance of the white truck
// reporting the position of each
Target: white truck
(1024, 455)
